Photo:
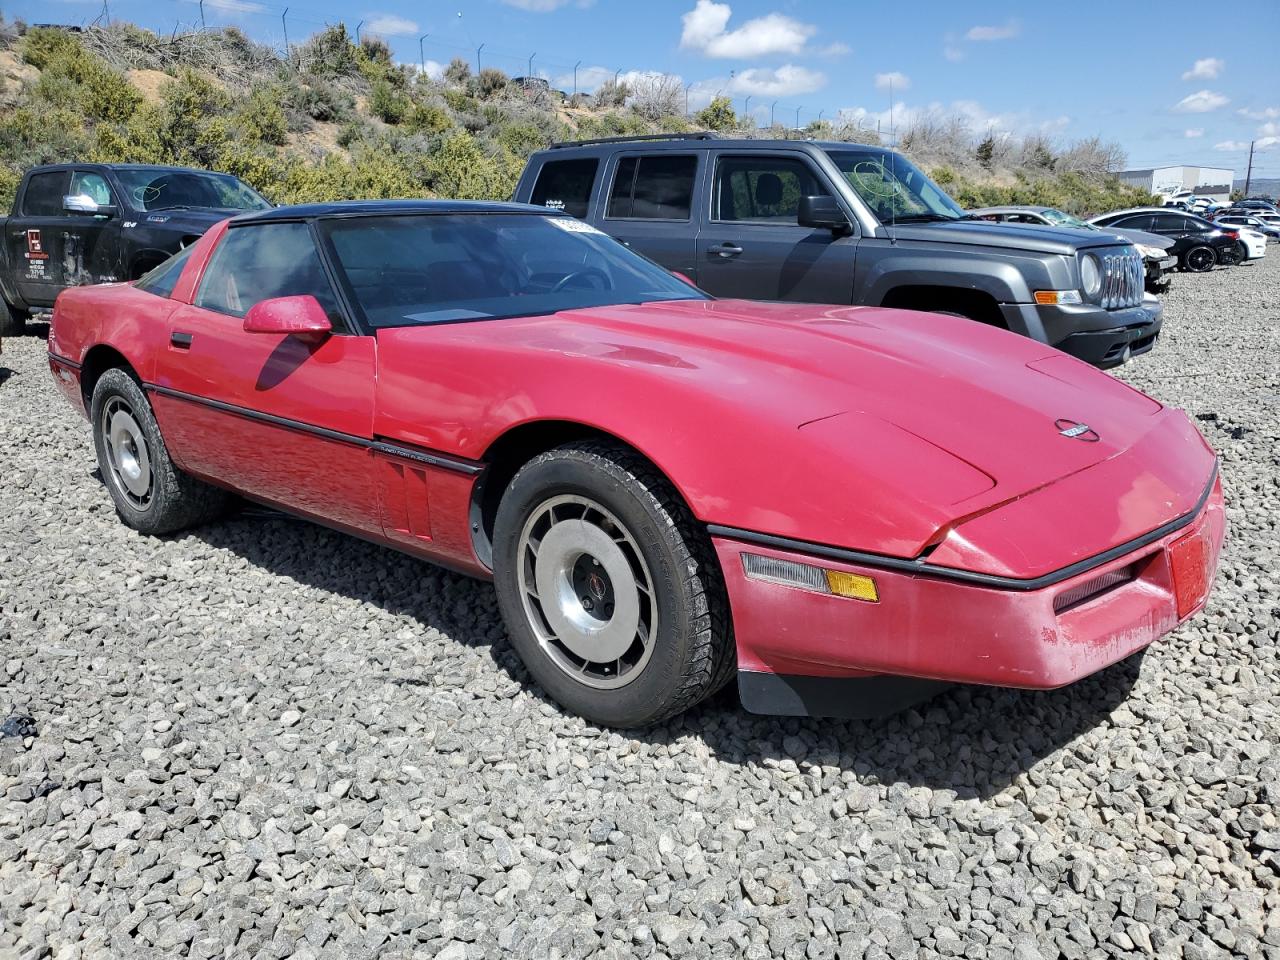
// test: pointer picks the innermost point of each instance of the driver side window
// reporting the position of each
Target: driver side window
(263, 261)
(91, 185)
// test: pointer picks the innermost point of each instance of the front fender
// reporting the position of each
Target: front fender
(1008, 276)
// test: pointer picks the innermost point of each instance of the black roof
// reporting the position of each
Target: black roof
(683, 142)
(352, 208)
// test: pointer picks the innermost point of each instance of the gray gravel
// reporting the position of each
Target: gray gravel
(264, 740)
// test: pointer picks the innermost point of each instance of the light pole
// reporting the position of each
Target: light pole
(284, 24)
(773, 106)
(422, 57)
(746, 105)
(359, 42)
(531, 56)
(798, 109)
(686, 97)
(478, 49)
(575, 77)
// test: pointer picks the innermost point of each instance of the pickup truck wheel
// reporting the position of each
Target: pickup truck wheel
(1199, 259)
(13, 322)
(150, 493)
(611, 593)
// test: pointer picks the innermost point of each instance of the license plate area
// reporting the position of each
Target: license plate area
(1189, 560)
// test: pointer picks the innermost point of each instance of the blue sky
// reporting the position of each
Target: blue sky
(1168, 82)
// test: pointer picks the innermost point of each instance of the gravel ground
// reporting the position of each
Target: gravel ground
(262, 739)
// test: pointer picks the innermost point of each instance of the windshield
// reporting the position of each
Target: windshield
(421, 269)
(1059, 219)
(155, 188)
(893, 187)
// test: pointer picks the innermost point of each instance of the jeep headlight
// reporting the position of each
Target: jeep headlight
(1090, 275)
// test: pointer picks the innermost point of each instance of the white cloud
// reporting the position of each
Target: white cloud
(1192, 132)
(235, 6)
(1266, 113)
(1231, 145)
(894, 80)
(1202, 101)
(1206, 69)
(706, 30)
(1005, 32)
(978, 118)
(432, 68)
(590, 79)
(785, 81)
(1243, 145)
(389, 25)
(836, 49)
(953, 53)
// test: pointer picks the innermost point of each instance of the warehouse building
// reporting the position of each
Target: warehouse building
(1212, 182)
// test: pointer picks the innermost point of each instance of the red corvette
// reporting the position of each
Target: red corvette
(847, 506)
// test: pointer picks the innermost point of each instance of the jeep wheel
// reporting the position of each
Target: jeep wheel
(610, 591)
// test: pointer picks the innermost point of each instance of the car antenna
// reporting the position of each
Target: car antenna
(893, 192)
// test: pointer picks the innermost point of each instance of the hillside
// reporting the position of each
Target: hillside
(337, 120)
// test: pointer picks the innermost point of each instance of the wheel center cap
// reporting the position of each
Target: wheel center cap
(597, 586)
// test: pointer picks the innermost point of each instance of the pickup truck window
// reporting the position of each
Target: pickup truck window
(566, 185)
(162, 279)
(762, 189)
(263, 261)
(654, 187)
(44, 194)
(92, 185)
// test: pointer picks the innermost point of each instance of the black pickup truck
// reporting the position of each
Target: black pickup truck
(80, 223)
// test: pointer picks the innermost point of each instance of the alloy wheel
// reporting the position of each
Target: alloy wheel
(128, 459)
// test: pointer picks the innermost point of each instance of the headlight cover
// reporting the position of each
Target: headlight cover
(1090, 275)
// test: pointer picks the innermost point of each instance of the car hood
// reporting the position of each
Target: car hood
(1014, 236)
(196, 220)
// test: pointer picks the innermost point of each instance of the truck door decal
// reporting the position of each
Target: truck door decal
(36, 257)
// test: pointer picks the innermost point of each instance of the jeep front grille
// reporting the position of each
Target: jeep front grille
(1122, 276)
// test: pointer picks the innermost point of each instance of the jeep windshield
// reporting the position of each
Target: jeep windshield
(157, 188)
(402, 270)
(893, 187)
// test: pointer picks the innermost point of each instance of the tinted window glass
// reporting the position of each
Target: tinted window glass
(44, 194)
(658, 187)
(162, 279)
(263, 261)
(424, 269)
(91, 185)
(566, 185)
(1140, 222)
(763, 189)
(1173, 223)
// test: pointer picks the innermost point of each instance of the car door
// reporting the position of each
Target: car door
(282, 418)
(752, 246)
(35, 238)
(90, 253)
(649, 206)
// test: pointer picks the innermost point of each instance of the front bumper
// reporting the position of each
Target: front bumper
(1104, 338)
(930, 630)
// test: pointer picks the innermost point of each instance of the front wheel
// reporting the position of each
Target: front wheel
(1199, 259)
(150, 493)
(611, 593)
(13, 322)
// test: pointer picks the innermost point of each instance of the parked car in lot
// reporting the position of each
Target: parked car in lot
(1257, 203)
(845, 223)
(844, 505)
(1157, 261)
(78, 223)
(1198, 244)
(1247, 221)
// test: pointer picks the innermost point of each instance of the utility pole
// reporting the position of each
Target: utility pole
(422, 57)
(531, 56)
(746, 105)
(359, 42)
(686, 97)
(772, 107)
(284, 25)
(616, 74)
(1248, 177)
(798, 117)
(202, 26)
(575, 77)
(106, 14)
(478, 49)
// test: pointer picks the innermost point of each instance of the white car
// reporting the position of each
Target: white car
(1254, 243)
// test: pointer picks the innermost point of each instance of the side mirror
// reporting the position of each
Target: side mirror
(822, 212)
(83, 203)
(298, 316)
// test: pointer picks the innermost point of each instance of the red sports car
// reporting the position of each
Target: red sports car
(847, 506)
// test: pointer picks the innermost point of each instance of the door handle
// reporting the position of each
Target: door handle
(181, 340)
(725, 250)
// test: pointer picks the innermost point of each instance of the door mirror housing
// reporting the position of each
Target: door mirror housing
(822, 212)
(292, 316)
(85, 204)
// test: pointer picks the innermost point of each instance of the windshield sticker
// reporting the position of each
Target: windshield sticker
(574, 226)
(555, 205)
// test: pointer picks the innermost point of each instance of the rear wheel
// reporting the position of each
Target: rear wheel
(13, 322)
(611, 594)
(150, 493)
(1199, 259)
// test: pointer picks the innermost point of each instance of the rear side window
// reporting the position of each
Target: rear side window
(44, 194)
(162, 279)
(1169, 221)
(763, 189)
(566, 185)
(1139, 222)
(264, 261)
(655, 187)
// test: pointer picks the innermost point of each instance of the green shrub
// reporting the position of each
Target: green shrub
(717, 115)
(492, 82)
(387, 103)
(427, 118)
(43, 45)
(262, 119)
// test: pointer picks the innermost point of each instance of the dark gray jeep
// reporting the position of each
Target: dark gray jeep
(850, 224)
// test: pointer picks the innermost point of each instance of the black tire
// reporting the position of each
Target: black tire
(691, 653)
(171, 500)
(1199, 259)
(13, 322)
